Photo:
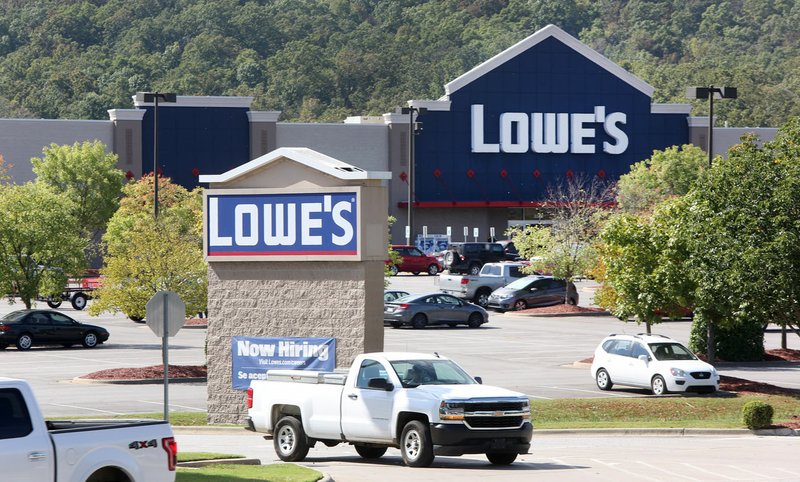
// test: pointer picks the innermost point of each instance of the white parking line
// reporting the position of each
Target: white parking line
(760, 476)
(173, 405)
(673, 474)
(715, 474)
(614, 465)
(796, 474)
(84, 408)
(569, 466)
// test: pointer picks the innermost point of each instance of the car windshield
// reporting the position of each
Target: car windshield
(14, 316)
(413, 373)
(671, 351)
(519, 284)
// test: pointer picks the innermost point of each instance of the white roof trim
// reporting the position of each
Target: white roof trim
(126, 114)
(670, 108)
(197, 101)
(303, 155)
(697, 121)
(263, 115)
(437, 105)
(543, 34)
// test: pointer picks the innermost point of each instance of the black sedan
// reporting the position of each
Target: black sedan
(25, 328)
(420, 311)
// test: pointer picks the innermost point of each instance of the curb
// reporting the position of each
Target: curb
(556, 315)
(663, 432)
(210, 430)
(146, 381)
(203, 463)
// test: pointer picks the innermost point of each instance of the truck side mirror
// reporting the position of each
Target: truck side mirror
(479, 380)
(380, 384)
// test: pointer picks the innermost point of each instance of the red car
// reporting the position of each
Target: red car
(414, 261)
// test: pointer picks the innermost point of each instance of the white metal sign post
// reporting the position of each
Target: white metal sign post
(166, 314)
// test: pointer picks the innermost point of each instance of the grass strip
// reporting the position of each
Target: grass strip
(197, 456)
(650, 412)
(248, 473)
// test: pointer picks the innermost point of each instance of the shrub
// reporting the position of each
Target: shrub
(757, 414)
(739, 341)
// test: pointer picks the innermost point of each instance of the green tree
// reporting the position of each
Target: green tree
(88, 175)
(144, 256)
(669, 172)
(643, 260)
(39, 241)
(567, 248)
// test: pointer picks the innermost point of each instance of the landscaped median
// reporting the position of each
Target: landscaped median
(229, 470)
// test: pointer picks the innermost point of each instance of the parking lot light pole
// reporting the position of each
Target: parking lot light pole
(154, 97)
(414, 128)
(709, 93)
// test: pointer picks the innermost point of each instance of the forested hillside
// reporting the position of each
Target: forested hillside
(321, 60)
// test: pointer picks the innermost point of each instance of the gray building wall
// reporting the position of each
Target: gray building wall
(363, 145)
(22, 139)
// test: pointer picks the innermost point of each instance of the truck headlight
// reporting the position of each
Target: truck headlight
(451, 410)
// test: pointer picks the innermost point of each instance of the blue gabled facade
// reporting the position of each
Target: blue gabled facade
(551, 76)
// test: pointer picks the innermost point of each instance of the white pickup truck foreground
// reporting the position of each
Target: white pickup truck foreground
(426, 405)
(32, 450)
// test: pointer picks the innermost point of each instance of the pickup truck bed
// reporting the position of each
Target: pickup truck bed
(477, 288)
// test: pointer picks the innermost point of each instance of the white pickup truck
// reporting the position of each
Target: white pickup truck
(33, 450)
(425, 405)
(477, 288)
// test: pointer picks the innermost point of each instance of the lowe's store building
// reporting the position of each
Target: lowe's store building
(544, 110)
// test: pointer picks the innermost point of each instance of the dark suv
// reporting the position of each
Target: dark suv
(470, 257)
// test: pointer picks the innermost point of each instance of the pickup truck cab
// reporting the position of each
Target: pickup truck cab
(35, 450)
(478, 288)
(425, 405)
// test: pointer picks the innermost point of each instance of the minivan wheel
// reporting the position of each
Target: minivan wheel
(603, 380)
(658, 385)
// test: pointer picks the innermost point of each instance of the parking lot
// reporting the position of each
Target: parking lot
(534, 355)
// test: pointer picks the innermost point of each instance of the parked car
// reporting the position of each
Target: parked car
(391, 295)
(25, 328)
(33, 449)
(512, 254)
(414, 261)
(532, 291)
(470, 257)
(420, 311)
(656, 362)
(478, 288)
(425, 405)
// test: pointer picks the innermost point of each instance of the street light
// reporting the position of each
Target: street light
(414, 128)
(709, 93)
(154, 98)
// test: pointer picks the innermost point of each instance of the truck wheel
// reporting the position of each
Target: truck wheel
(369, 452)
(79, 301)
(475, 320)
(53, 302)
(24, 342)
(419, 321)
(415, 445)
(482, 298)
(504, 458)
(290, 440)
(89, 340)
(475, 269)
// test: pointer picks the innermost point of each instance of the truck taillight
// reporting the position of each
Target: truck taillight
(464, 280)
(250, 397)
(171, 447)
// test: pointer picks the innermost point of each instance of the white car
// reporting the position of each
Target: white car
(656, 362)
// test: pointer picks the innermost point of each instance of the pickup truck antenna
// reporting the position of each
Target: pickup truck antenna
(437, 354)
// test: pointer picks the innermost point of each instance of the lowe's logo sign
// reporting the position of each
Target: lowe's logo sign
(551, 133)
(323, 224)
